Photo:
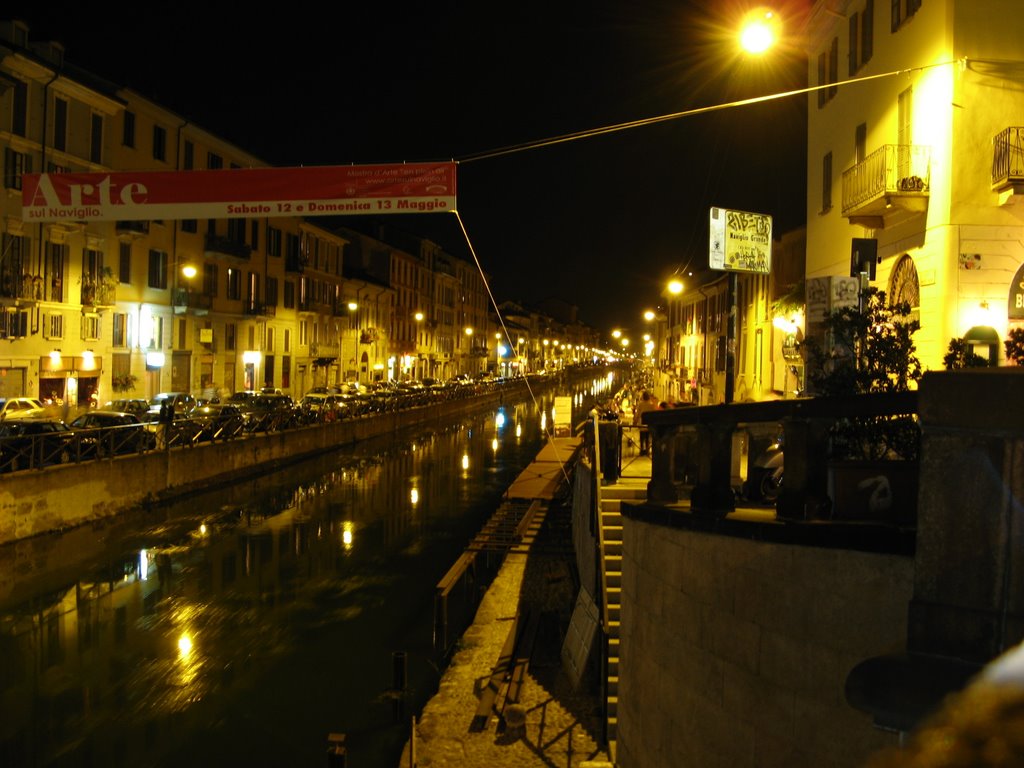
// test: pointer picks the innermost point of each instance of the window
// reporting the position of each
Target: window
(19, 108)
(119, 322)
(210, 279)
(271, 297)
(60, 124)
(188, 160)
(902, 10)
(96, 139)
(905, 287)
(270, 339)
(157, 269)
(15, 164)
(867, 33)
(253, 289)
(287, 340)
(13, 325)
(124, 263)
(56, 258)
(53, 325)
(286, 371)
(214, 161)
(234, 283)
(236, 231)
(254, 235)
(128, 129)
(189, 225)
(826, 183)
(90, 327)
(289, 294)
(273, 241)
(159, 143)
(229, 336)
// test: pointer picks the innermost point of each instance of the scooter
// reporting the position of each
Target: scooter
(765, 482)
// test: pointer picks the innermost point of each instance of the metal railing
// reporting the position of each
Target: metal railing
(1008, 157)
(892, 169)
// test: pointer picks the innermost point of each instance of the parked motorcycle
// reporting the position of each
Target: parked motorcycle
(765, 481)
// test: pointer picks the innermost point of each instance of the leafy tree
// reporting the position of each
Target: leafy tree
(961, 355)
(872, 350)
(1015, 346)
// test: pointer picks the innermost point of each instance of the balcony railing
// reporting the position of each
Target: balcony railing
(101, 294)
(24, 287)
(223, 246)
(893, 172)
(318, 349)
(1008, 158)
(132, 227)
(260, 309)
(185, 298)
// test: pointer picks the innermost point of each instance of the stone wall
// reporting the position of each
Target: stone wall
(735, 652)
(66, 496)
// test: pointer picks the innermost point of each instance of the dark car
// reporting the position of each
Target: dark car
(114, 432)
(182, 402)
(268, 413)
(317, 407)
(137, 405)
(216, 421)
(33, 443)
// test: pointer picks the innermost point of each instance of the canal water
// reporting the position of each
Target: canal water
(244, 625)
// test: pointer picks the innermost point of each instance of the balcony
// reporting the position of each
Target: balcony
(888, 186)
(134, 228)
(259, 309)
(185, 299)
(324, 351)
(295, 263)
(98, 294)
(1008, 165)
(19, 290)
(223, 246)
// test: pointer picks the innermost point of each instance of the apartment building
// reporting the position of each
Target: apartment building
(915, 152)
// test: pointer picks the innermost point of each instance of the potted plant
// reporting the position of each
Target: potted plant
(872, 459)
(123, 382)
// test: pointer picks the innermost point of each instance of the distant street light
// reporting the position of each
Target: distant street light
(675, 287)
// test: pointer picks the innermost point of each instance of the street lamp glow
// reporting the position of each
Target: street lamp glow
(648, 315)
(758, 32)
(189, 271)
(469, 331)
(616, 334)
(675, 287)
(418, 317)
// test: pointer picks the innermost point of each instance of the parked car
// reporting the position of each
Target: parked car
(114, 432)
(243, 398)
(20, 408)
(216, 421)
(137, 405)
(37, 442)
(268, 413)
(182, 402)
(322, 407)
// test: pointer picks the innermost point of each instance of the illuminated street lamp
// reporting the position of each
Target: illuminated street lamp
(759, 30)
(675, 287)
(649, 315)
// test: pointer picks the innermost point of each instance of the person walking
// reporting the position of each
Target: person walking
(648, 402)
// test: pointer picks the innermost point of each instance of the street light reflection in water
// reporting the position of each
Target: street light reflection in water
(244, 625)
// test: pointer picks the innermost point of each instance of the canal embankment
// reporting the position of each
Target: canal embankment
(505, 698)
(62, 497)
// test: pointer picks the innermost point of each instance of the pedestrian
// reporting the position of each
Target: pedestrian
(648, 402)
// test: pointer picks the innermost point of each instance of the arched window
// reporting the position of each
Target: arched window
(903, 285)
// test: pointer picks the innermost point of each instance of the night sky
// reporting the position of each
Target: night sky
(602, 222)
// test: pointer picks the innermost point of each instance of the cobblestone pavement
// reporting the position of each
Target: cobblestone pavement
(562, 725)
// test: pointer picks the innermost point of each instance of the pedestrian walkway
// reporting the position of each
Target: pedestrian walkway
(551, 723)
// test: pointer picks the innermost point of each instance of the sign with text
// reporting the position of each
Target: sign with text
(239, 193)
(740, 241)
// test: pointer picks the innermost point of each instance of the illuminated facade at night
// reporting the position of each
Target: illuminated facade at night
(925, 159)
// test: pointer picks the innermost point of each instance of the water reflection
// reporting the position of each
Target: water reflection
(244, 625)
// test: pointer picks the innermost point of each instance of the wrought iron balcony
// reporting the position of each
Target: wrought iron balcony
(260, 309)
(1008, 161)
(223, 246)
(185, 299)
(98, 294)
(318, 349)
(23, 288)
(132, 227)
(894, 180)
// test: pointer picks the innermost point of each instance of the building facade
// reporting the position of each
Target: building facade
(919, 169)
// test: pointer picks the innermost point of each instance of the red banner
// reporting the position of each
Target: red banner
(239, 193)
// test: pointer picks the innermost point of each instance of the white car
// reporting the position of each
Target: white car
(20, 408)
